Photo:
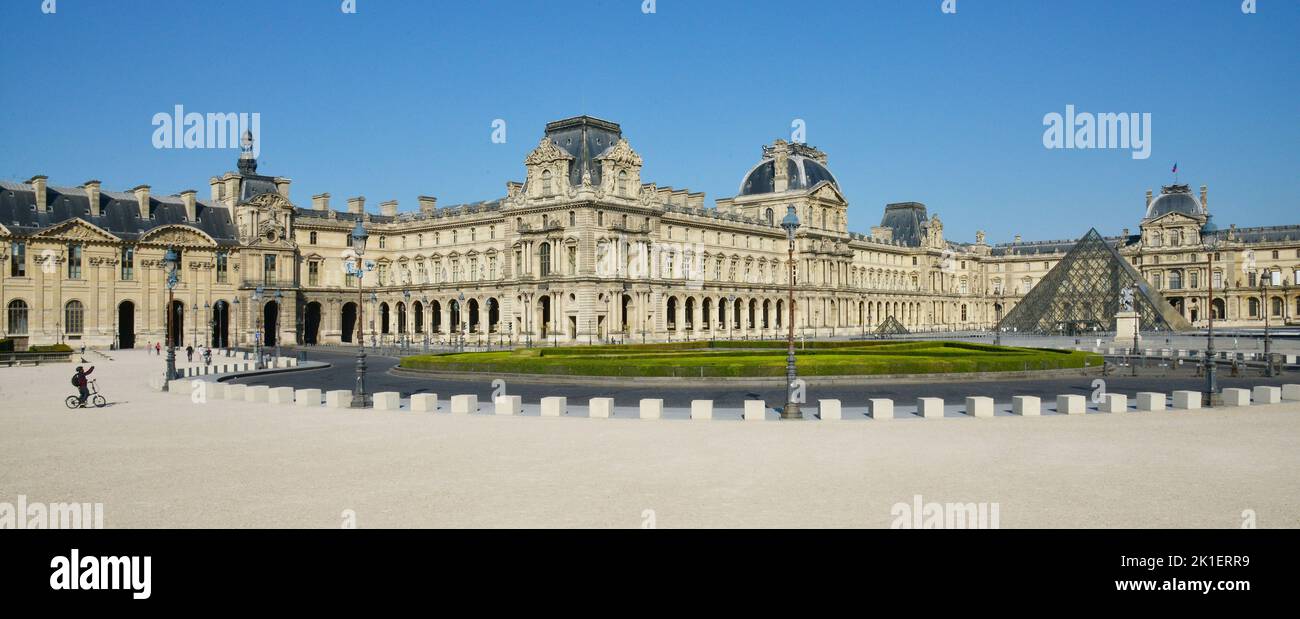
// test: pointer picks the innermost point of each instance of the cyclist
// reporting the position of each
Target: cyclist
(79, 380)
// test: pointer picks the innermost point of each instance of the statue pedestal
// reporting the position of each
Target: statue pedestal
(1126, 330)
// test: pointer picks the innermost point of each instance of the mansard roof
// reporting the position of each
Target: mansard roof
(119, 213)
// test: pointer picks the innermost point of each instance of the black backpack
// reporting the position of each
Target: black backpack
(74, 380)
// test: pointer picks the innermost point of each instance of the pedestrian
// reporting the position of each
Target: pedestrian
(189, 354)
(157, 348)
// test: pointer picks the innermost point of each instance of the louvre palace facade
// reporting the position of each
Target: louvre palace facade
(582, 250)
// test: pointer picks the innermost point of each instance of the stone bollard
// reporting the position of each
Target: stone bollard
(755, 410)
(1291, 392)
(1027, 405)
(509, 405)
(929, 408)
(652, 408)
(235, 391)
(701, 410)
(1113, 403)
(388, 401)
(339, 398)
(555, 406)
(424, 403)
(179, 386)
(256, 393)
(307, 398)
(1187, 400)
(464, 404)
(1267, 395)
(280, 395)
(979, 406)
(600, 408)
(830, 410)
(214, 391)
(1236, 397)
(881, 409)
(1071, 404)
(1150, 401)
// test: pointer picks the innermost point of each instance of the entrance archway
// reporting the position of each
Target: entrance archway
(311, 324)
(270, 323)
(348, 322)
(220, 319)
(177, 334)
(126, 324)
(544, 305)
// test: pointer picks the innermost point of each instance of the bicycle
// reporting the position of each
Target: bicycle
(74, 401)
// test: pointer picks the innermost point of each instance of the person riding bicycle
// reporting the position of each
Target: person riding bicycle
(79, 380)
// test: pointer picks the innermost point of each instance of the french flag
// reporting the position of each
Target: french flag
(1175, 170)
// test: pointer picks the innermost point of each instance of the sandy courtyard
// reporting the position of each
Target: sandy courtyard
(157, 460)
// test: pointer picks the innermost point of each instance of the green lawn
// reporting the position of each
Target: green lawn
(756, 359)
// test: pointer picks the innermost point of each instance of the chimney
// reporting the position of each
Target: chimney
(1148, 197)
(191, 209)
(357, 205)
(320, 202)
(1205, 198)
(428, 204)
(282, 186)
(1125, 233)
(92, 194)
(214, 184)
(142, 197)
(1017, 239)
(388, 209)
(38, 187)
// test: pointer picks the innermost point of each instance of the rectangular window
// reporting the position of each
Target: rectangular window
(1218, 279)
(313, 273)
(18, 259)
(222, 263)
(383, 274)
(268, 269)
(74, 261)
(128, 264)
(1252, 280)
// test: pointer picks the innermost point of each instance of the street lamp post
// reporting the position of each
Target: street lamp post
(207, 308)
(791, 411)
(424, 305)
(359, 397)
(172, 260)
(1210, 237)
(1264, 281)
(731, 309)
(410, 315)
(194, 332)
(258, 334)
(279, 311)
(236, 325)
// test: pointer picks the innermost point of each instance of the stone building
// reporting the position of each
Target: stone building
(581, 250)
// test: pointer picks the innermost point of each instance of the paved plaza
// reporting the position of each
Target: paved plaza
(159, 460)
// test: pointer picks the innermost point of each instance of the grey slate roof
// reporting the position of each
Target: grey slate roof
(119, 213)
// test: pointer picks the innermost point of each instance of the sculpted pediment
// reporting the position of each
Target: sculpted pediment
(178, 235)
(78, 230)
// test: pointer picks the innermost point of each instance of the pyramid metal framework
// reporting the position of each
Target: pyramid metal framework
(1081, 294)
(891, 326)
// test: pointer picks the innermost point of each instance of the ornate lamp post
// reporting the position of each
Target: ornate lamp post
(207, 309)
(406, 296)
(424, 305)
(258, 333)
(279, 307)
(172, 261)
(731, 309)
(236, 326)
(1264, 280)
(791, 411)
(1210, 237)
(194, 331)
(359, 397)
(374, 311)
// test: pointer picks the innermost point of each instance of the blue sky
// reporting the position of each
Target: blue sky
(397, 100)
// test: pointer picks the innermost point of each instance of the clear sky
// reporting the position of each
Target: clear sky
(397, 100)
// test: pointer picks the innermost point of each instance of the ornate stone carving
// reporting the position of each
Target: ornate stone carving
(547, 152)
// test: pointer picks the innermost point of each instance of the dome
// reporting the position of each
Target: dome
(803, 172)
(1175, 199)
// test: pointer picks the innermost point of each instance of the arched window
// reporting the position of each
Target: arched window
(17, 320)
(573, 218)
(546, 183)
(419, 240)
(770, 216)
(622, 183)
(74, 316)
(1276, 306)
(544, 258)
(312, 239)
(1175, 280)
(492, 232)
(1254, 308)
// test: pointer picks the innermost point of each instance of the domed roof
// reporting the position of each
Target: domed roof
(1175, 199)
(803, 172)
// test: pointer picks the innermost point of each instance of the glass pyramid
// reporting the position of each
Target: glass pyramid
(891, 326)
(1081, 295)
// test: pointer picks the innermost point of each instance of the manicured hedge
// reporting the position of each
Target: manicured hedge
(50, 348)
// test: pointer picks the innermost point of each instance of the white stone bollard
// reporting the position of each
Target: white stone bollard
(1113, 403)
(509, 405)
(601, 408)
(979, 406)
(256, 393)
(1071, 404)
(652, 408)
(280, 395)
(830, 410)
(1267, 395)
(1027, 405)
(214, 391)
(179, 386)
(701, 410)
(555, 406)
(235, 391)
(388, 401)
(755, 410)
(1236, 397)
(1150, 401)
(424, 403)
(307, 398)
(1187, 400)
(929, 408)
(881, 409)
(339, 398)
(1291, 392)
(464, 404)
